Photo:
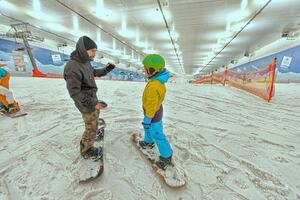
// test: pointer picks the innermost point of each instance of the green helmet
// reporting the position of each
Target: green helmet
(154, 61)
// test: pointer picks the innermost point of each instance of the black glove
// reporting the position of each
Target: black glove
(109, 67)
(102, 103)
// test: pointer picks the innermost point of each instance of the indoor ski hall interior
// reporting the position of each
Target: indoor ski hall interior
(230, 112)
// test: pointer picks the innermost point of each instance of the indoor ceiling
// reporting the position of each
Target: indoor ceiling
(195, 36)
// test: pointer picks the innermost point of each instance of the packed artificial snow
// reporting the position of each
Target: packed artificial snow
(231, 144)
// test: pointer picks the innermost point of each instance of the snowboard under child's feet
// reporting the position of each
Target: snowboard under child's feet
(172, 175)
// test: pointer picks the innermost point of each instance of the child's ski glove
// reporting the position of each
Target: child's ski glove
(147, 122)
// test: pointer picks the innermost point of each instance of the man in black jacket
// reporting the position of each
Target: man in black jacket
(79, 75)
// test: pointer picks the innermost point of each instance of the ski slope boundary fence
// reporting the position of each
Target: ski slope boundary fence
(259, 82)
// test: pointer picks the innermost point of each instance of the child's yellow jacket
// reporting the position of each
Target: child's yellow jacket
(154, 93)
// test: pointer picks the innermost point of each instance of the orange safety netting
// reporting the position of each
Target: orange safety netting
(260, 82)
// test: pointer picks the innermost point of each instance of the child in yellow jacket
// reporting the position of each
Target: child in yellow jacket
(153, 96)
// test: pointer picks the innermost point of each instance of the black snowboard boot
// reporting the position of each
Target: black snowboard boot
(92, 153)
(3, 109)
(163, 163)
(11, 108)
(145, 145)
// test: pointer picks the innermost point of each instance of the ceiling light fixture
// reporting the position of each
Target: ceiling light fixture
(137, 35)
(36, 5)
(244, 4)
(238, 15)
(75, 23)
(99, 38)
(56, 27)
(114, 44)
(104, 13)
(124, 31)
(38, 13)
(7, 5)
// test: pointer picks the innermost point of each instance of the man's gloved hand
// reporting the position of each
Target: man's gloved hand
(109, 67)
(147, 122)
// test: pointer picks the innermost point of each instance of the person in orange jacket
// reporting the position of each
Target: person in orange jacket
(8, 103)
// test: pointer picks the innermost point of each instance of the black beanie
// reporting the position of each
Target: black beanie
(89, 43)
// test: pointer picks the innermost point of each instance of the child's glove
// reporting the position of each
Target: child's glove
(147, 122)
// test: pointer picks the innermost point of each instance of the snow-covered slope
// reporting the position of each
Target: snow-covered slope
(231, 144)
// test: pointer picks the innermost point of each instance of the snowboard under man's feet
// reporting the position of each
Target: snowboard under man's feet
(101, 127)
(172, 174)
(91, 165)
